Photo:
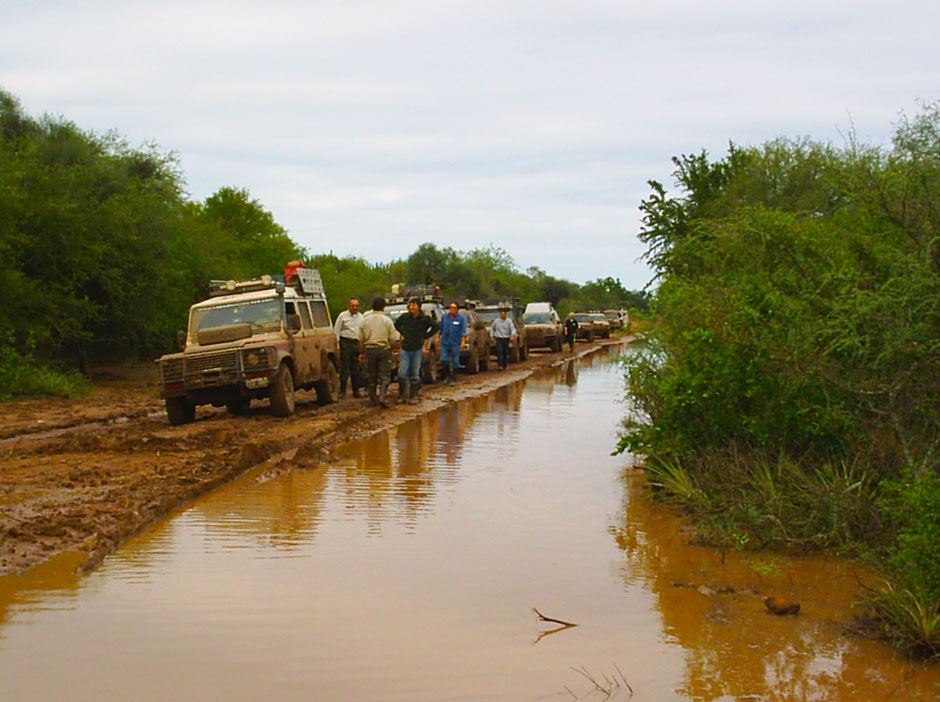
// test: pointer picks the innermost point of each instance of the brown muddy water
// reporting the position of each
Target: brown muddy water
(407, 569)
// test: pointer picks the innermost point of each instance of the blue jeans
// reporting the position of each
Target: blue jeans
(450, 353)
(409, 365)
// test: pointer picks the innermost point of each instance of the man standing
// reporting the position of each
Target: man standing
(416, 328)
(571, 331)
(346, 329)
(453, 339)
(504, 331)
(376, 334)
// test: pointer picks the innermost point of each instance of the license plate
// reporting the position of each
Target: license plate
(256, 383)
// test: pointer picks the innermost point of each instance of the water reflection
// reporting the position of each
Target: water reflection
(733, 647)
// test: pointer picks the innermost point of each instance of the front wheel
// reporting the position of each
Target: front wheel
(282, 393)
(328, 388)
(179, 410)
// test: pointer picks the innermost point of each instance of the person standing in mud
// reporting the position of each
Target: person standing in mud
(504, 332)
(453, 340)
(416, 329)
(571, 331)
(377, 333)
(346, 329)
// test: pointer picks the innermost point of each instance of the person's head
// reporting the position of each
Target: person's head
(453, 307)
(414, 307)
(502, 314)
(571, 315)
(353, 305)
(378, 304)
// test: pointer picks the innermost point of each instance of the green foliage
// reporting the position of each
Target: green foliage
(20, 374)
(794, 370)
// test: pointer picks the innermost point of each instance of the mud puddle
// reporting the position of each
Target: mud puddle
(405, 566)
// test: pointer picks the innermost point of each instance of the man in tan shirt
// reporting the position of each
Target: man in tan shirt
(377, 333)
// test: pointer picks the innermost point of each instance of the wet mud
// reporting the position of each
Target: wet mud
(83, 475)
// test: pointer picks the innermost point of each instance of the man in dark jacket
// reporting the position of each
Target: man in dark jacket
(416, 329)
(571, 331)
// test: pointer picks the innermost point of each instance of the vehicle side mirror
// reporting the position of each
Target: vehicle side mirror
(293, 322)
(181, 339)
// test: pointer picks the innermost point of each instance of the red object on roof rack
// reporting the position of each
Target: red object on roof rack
(290, 271)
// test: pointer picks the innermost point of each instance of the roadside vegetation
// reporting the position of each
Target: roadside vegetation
(789, 393)
(102, 253)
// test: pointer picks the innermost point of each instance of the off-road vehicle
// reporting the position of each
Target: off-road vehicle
(476, 356)
(258, 338)
(601, 325)
(489, 309)
(585, 327)
(543, 326)
(613, 316)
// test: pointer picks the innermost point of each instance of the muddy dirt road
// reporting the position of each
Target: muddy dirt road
(84, 475)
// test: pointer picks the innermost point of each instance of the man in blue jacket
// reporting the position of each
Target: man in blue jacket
(453, 339)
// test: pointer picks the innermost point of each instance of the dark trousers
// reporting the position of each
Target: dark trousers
(349, 364)
(379, 369)
(502, 351)
(569, 339)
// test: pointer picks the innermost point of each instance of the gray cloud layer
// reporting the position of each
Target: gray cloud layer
(371, 127)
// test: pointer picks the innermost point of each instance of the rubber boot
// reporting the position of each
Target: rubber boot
(415, 391)
(404, 390)
(383, 392)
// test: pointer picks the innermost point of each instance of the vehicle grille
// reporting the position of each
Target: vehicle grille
(212, 369)
(171, 371)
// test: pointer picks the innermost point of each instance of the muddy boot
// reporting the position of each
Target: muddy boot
(415, 392)
(404, 390)
(383, 393)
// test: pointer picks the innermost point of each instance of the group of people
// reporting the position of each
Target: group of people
(367, 339)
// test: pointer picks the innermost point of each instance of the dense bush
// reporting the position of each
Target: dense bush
(795, 370)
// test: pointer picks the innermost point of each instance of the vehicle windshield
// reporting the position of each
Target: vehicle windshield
(583, 317)
(538, 318)
(599, 317)
(260, 314)
(488, 315)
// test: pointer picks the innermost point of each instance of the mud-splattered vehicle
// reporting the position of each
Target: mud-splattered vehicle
(586, 329)
(601, 325)
(261, 338)
(543, 326)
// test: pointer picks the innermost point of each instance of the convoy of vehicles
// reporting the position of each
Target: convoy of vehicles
(267, 337)
(261, 338)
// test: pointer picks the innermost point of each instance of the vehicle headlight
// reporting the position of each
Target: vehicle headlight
(259, 358)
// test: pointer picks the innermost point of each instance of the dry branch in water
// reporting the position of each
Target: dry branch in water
(551, 619)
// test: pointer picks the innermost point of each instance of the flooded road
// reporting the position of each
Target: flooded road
(406, 568)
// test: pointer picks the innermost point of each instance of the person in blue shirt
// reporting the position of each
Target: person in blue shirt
(453, 339)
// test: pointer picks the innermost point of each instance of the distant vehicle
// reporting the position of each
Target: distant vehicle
(543, 326)
(601, 325)
(585, 326)
(260, 338)
(613, 316)
(489, 309)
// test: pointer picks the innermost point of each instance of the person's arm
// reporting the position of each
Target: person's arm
(338, 324)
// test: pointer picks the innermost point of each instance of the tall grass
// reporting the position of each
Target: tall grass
(21, 375)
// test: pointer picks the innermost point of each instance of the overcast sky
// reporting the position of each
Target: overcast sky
(368, 128)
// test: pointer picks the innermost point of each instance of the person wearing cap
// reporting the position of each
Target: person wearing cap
(377, 333)
(504, 332)
(346, 329)
(453, 340)
(571, 331)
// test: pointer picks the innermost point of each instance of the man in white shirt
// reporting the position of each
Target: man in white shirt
(347, 325)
